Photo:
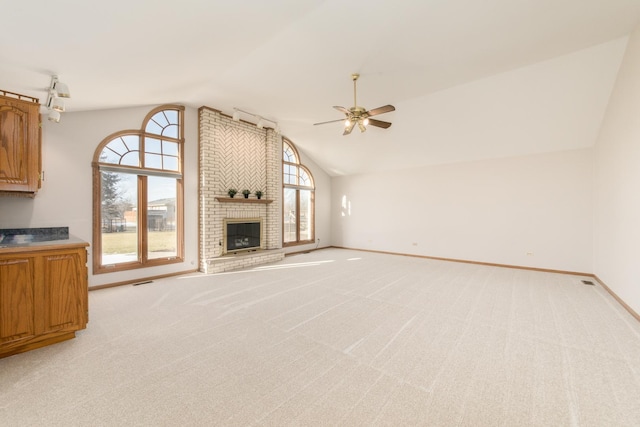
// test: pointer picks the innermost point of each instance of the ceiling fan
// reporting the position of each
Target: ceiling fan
(359, 116)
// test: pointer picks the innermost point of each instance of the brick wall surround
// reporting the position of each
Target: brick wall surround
(237, 155)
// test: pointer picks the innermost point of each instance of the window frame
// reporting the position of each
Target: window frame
(142, 173)
(297, 187)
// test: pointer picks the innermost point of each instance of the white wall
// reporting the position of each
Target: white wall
(494, 211)
(617, 189)
(66, 195)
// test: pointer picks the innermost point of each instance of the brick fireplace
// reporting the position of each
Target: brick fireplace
(237, 155)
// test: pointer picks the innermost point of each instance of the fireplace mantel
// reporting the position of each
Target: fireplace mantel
(242, 200)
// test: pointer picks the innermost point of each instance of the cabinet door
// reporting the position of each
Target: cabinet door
(19, 145)
(17, 314)
(65, 291)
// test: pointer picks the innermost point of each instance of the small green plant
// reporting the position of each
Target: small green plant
(232, 192)
(258, 194)
(246, 193)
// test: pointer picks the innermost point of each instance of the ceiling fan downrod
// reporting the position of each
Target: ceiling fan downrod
(354, 77)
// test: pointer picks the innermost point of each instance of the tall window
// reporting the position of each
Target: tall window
(137, 200)
(298, 196)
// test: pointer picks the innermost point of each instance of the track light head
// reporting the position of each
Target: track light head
(54, 116)
(57, 104)
(60, 89)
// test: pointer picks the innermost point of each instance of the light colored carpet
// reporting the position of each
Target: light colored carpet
(339, 337)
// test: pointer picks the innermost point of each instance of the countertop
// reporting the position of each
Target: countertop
(9, 248)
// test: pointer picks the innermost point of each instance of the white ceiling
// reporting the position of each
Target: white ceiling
(469, 79)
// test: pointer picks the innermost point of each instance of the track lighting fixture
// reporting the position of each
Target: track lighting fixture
(261, 121)
(61, 89)
(54, 116)
(55, 104)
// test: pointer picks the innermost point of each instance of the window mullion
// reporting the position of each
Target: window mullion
(142, 219)
(297, 214)
(143, 150)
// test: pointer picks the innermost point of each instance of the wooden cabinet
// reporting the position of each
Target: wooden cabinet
(17, 306)
(20, 144)
(43, 295)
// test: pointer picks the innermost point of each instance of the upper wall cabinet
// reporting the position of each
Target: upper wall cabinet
(20, 142)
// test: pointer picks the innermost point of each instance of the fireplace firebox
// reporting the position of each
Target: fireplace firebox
(242, 235)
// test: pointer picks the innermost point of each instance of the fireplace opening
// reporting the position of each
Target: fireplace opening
(242, 235)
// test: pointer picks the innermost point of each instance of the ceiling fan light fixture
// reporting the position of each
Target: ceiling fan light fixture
(362, 126)
(365, 122)
(347, 123)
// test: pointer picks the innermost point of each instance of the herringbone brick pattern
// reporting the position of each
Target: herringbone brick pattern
(241, 156)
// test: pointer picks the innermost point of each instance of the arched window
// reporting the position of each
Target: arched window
(137, 199)
(298, 196)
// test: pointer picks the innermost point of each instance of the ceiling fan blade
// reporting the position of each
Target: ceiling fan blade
(348, 129)
(330, 121)
(381, 110)
(342, 109)
(379, 123)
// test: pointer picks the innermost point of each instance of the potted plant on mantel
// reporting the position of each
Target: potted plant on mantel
(246, 193)
(259, 194)
(232, 192)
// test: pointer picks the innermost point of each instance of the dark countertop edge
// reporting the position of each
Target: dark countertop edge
(42, 246)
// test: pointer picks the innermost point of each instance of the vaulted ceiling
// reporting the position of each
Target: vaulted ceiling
(469, 79)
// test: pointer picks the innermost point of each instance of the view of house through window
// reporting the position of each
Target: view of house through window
(298, 196)
(139, 202)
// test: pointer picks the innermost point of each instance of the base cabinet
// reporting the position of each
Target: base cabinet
(43, 297)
